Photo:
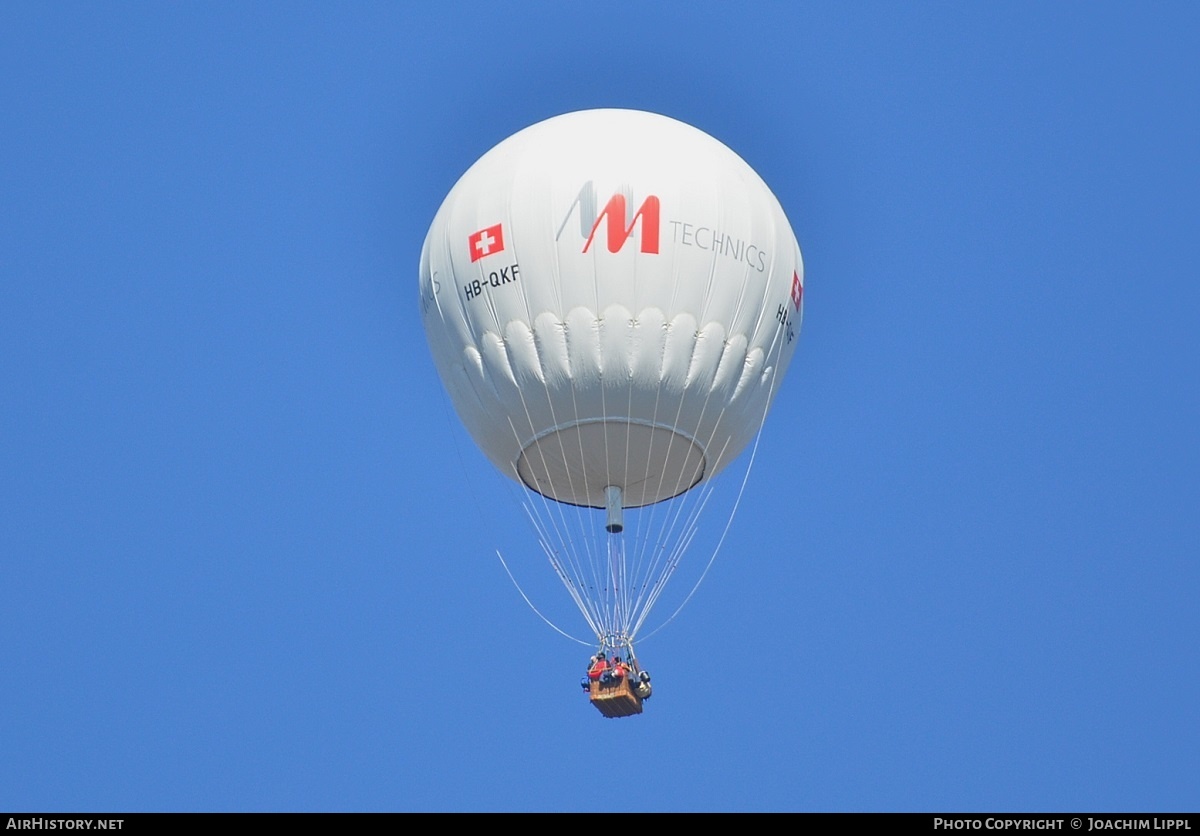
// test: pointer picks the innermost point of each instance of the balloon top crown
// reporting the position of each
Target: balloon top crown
(631, 143)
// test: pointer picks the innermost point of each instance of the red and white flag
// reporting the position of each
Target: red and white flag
(797, 289)
(486, 242)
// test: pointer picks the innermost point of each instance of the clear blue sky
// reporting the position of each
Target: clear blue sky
(247, 555)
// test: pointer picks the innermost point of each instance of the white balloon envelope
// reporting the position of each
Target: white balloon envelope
(611, 298)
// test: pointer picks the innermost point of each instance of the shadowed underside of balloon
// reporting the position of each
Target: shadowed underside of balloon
(579, 463)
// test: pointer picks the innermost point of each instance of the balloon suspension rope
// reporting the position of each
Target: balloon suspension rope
(728, 523)
(537, 612)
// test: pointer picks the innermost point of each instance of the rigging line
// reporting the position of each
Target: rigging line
(699, 337)
(596, 562)
(632, 323)
(580, 515)
(555, 553)
(595, 341)
(653, 529)
(556, 628)
(680, 510)
(775, 342)
(465, 311)
(567, 544)
(647, 514)
(636, 579)
(644, 589)
(674, 557)
(713, 557)
(609, 586)
(616, 563)
(684, 508)
(613, 564)
(686, 543)
(571, 585)
(662, 359)
(665, 529)
(655, 576)
(562, 541)
(628, 369)
(502, 337)
(666, 339)
(529, 502)
(568, 571)
(686, 518)
(477, 503)
(682, 396)
(696, 510)
(690, 512)
(615, 557)
(737, 502)
(588, 617)
(671, 519)
(773, 385)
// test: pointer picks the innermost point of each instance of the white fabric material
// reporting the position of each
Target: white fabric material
(601, 293)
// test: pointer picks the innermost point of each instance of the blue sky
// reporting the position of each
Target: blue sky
(247, 554)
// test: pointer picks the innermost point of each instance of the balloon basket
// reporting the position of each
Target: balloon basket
(617, 699)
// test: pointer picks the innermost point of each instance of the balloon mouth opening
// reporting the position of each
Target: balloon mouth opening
(578, 463)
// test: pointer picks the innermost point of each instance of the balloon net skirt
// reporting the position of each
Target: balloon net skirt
(617, 699)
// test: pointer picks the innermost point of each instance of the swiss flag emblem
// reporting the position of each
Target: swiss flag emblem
(797, 290)
(486, 242)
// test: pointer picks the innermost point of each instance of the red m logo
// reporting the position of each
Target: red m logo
(614, 214)
(618, 232)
